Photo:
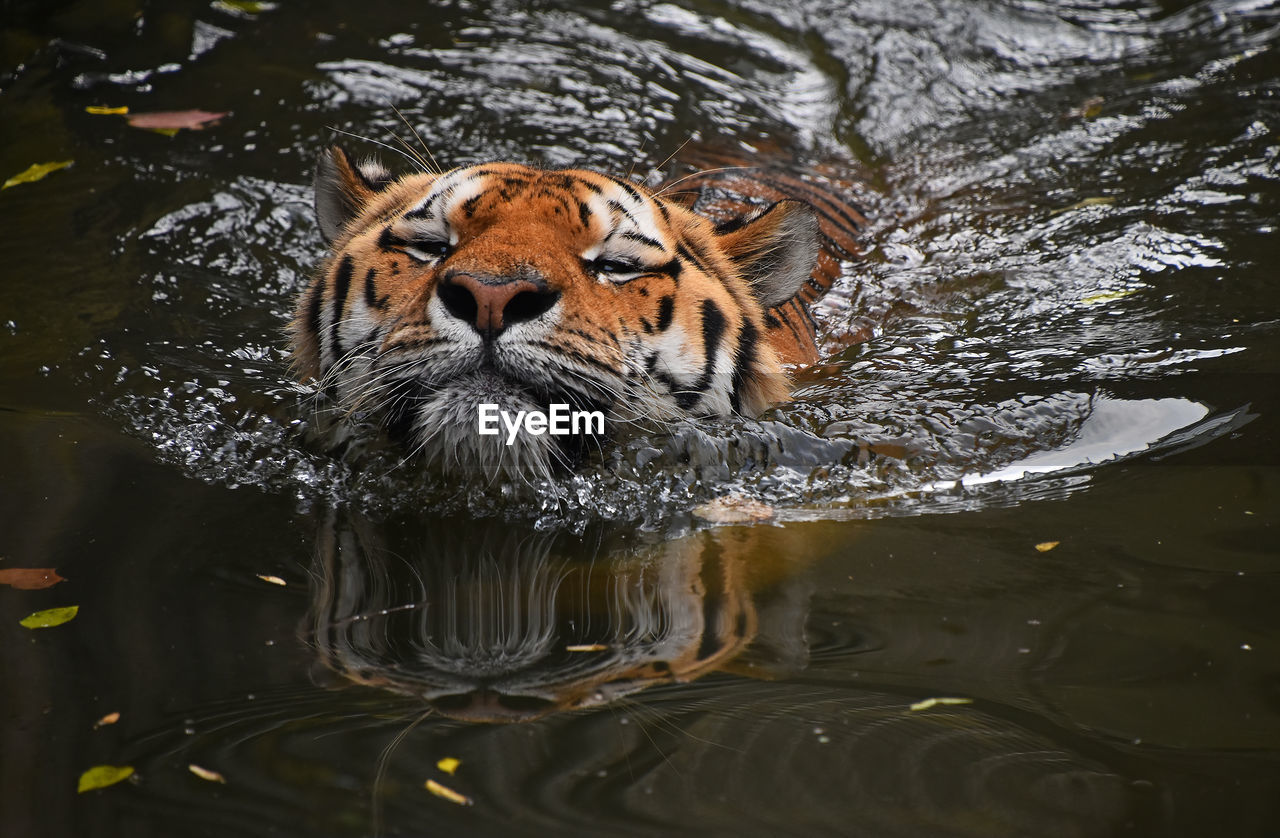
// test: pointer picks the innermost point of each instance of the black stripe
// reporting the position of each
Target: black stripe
(629, 189)
(743, 362)
(314, 303)
(699, 256)
(429, 208)
(713, 324)
(371, 298)
(684, 251)
(671, 269)
(557, 196)
(786, 321)
(341, 282)
(425, 211)
(735, 223)
(619, 208)
(816, 195)
(807, 319)
(631, 235)
(841, 252)
(390, 241)
(557, 180)
(584, 214)
(666, 308)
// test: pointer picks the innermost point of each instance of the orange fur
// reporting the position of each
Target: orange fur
(524, 285)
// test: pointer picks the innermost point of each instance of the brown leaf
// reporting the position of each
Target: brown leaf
(447, 793)
(206, 774)
(30, 578)
(109, 719)
(174, 120)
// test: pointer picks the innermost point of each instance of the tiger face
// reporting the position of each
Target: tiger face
(502, 284)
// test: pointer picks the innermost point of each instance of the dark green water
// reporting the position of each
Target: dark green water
(1071, 278)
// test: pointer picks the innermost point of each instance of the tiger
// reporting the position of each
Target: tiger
(523, 288)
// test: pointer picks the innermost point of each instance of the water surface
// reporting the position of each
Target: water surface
(1073, 338)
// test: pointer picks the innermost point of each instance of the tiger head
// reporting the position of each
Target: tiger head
(520, 287)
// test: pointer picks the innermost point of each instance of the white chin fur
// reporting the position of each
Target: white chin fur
(446, 432)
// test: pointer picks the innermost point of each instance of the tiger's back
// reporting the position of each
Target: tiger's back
(727, 186)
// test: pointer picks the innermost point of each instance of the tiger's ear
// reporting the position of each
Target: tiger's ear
(343, 189)
(775, 250)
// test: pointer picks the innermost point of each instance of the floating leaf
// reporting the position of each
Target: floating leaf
(206, 774)
(243, 8)
(1046, 546)
(35, 172)
(586, 647)
(1095, 299)
(30, 578)
(1100, 201)
(1089, 108)
(51, 617)
(103, 110)
(170, 122)
(274, 580)
(447, 793)
(101, 776)
(449, 765)
(934, 702)
(109, 719)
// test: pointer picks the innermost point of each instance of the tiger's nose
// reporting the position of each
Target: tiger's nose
(492, 303)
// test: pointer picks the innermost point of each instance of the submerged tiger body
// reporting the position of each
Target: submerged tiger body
(506, 285)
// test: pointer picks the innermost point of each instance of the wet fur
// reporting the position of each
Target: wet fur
(634, 303)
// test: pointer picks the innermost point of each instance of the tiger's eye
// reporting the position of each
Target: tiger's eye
(616, 270)
(428, 251)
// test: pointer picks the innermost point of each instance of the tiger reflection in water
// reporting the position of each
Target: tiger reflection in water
(501, 626)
